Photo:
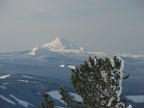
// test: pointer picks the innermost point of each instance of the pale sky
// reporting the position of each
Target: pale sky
(111, 26)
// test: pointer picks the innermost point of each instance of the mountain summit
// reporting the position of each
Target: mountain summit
(59, 45)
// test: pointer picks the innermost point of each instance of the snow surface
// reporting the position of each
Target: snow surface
(25, 76)
(56, 95)
(130, 106)
(33, 51)
(121, 76)
(5, 83)
(4, 76)
(23, 81)
(26, 81)
(71, 67)
(62, 66)
(61, 44)
(100, 54)
(7, 100)
(22, 102)
(3, 87)
(60, 107)
(77, 97)
(118, 91)
(136, 98)
(130, 55)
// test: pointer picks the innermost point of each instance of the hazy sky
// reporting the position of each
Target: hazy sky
(113, 26)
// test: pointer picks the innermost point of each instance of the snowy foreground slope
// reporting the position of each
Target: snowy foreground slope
(24, 91)
(24, 75)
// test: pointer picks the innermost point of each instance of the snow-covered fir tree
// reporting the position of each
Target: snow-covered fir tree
(98, 82)
(47, 102)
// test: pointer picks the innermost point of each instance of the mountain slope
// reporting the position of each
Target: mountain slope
(24, 90)
(59, 45)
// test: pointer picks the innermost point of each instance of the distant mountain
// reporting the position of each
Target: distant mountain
(59, 45)
(55, 53)
(64, 47)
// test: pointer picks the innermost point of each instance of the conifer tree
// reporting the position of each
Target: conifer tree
(47, 102)
(98, 82)
(70, 100)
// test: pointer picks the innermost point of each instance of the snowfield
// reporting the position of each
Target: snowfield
(23, 81)
(26, 81)
(4, 76)
(77, 97)
(71, 67)
(3, 87)
(7, 100)
(62, 66)
(25, 76)
(136, 99)
(33, 51)
(22, 102)
(56, 95)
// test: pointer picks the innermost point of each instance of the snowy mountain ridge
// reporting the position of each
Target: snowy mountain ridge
(59, 45)
(63, 46)
(130, 55)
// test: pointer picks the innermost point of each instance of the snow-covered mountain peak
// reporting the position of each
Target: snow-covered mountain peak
(61, 44)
